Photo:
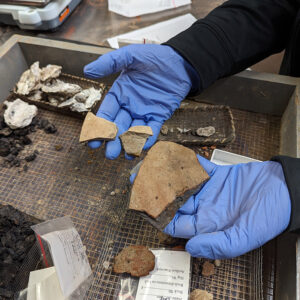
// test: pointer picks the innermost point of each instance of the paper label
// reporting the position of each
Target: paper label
(169, 280)
(69, 258)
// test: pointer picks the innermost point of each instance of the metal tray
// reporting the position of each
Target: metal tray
(83, 82)
(191, 116)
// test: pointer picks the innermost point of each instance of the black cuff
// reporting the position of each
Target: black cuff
(203, 48)
(291, 170)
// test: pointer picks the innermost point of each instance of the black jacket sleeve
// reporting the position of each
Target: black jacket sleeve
(291, 170)
(234, 36)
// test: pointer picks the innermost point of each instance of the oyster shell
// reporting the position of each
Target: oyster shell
(67, 103)
(29, 80)
(62, 88)
(83, 101)
(36, 95)
(19, 114)
(50, 71)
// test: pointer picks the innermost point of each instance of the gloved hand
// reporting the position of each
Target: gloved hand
(240, 208)
(154, 80)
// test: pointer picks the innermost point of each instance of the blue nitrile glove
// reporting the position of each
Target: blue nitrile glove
(154, 80)
(240, 208)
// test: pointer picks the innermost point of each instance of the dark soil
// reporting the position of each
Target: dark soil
(16, 239)
(12, 142)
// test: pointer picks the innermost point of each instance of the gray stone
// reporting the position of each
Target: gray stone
(206, 131)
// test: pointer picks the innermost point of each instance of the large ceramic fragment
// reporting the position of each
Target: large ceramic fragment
(134, 139)
(61, 88)
(50, 71)
(95, 128)
(29, 80)
(169, 174)
(19, 114)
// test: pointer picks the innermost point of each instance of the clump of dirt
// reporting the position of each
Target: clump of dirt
(136, 260)
(208, 269)
(16, 239)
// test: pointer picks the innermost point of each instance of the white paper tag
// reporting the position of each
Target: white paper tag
(69, 258)
(169, 280)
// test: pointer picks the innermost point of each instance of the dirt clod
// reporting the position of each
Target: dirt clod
(208, 269)
(136, 260)
(58, 147)
(200, 295)
(50, 128)
(30, 157)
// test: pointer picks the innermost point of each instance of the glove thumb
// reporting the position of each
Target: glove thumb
(207, 165)
(109, 63)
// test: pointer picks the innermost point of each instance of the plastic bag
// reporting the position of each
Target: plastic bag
(60, 242)
(133, 8)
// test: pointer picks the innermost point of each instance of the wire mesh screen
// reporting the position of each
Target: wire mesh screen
(77, 181)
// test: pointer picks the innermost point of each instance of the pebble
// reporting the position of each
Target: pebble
(106, 265)
(113, 193)
(164, 130)
(217, 263)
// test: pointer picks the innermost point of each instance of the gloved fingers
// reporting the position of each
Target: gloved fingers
(94, 144)
(109, 107)
(123, 121)
(183, 226)
(156, 126)
(135, 122)
(108, 111)
(207, 165)
(229, 243)
(109, 63)
(188, 225)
